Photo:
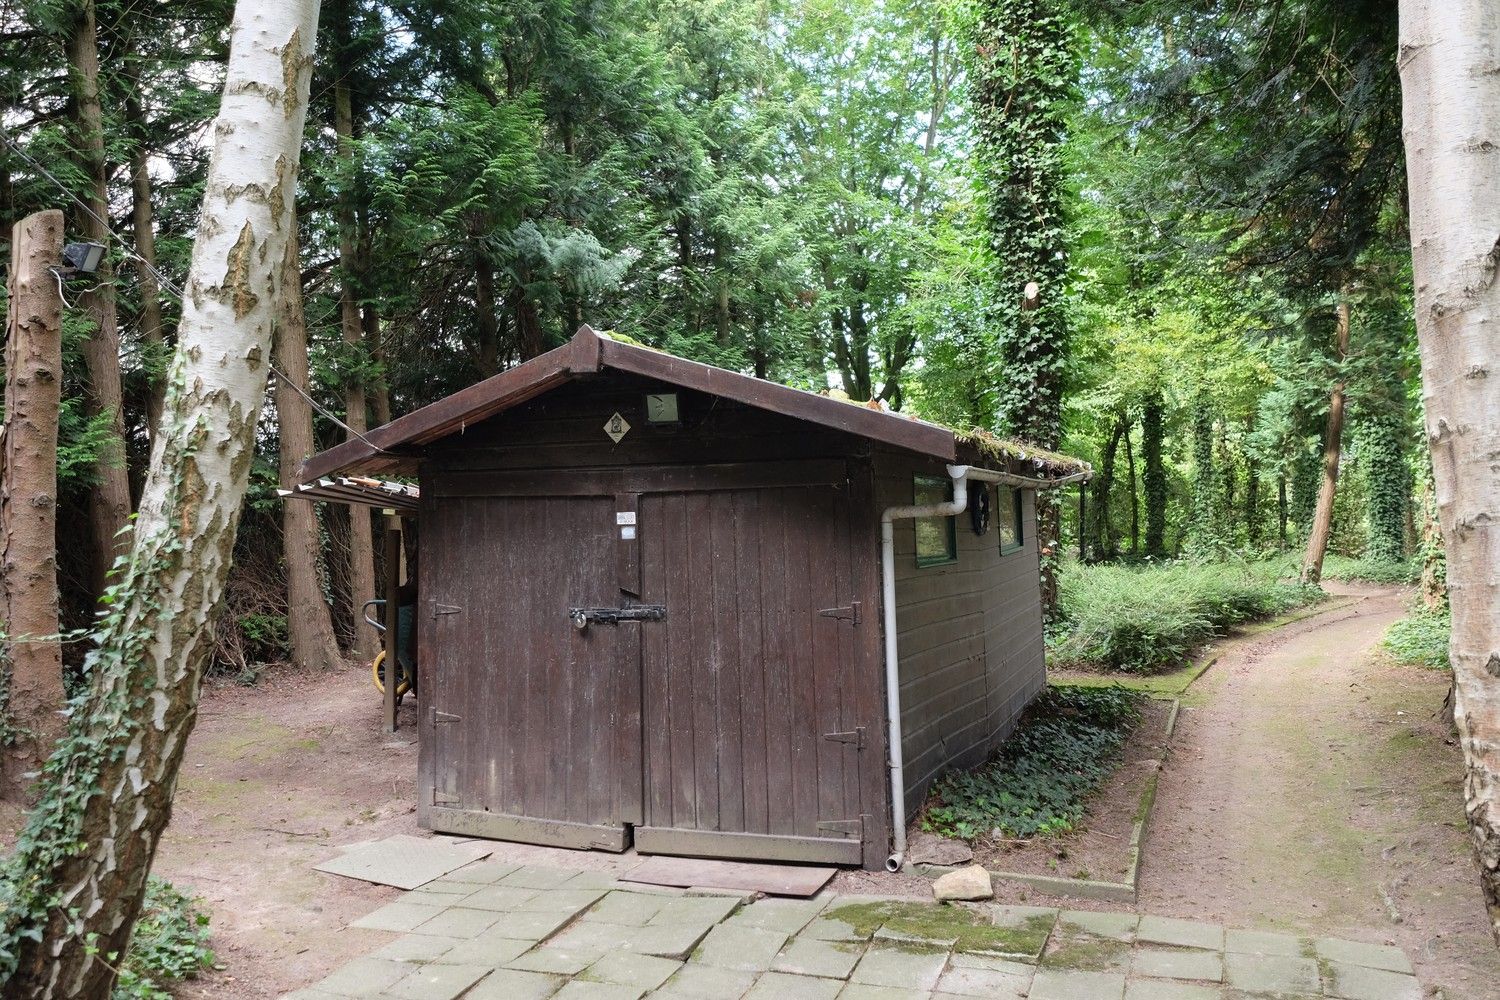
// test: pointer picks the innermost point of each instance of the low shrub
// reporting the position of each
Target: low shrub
(1066, 744)
(1141, 619)
(1336, 567)
(1421, 638)
(170, 944)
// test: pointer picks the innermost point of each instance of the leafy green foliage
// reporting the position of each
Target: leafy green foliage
(1141, 619)
(1371, 569)
(1066, 744)
(1421, 638)
(170, 944)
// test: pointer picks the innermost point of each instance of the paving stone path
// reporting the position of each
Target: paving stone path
(494, 931)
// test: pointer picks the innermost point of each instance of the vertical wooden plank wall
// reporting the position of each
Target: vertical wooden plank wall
(969, 635)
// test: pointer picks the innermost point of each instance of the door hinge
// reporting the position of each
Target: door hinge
(444, 609)
(438, 717)
(849, 613)
(854, 827)
(855, 736)
(440, 798)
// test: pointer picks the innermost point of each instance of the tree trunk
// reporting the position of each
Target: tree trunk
(1135, 500)
(309, 625)
(486, 319)
(107, 791)
(144, 230)
(1252, 502)
(1322, 524)
(1154, 478)
(28, 495)
(361, 539)
(1105, 544)
(109, 499)
(1451, 95)
(1282, 510)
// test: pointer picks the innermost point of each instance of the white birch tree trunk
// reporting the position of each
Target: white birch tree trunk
(1450, 76)
(107, 796)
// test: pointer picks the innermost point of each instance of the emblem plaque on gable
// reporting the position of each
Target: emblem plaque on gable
(616, 427)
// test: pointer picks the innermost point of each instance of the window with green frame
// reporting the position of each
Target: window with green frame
(937, 539)
(1008, 520)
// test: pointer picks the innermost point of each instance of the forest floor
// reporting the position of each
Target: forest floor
(1314, 787)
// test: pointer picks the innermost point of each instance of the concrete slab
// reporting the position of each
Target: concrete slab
(748, 949)
(1271, 973)
(365, 977)
(666, 940)
(580, 990)
(1370, 956)
(403, 861)
(811, 957)
(866, 991)
(1356, 982)
(537, 877)
(459, 922)
(1155, 989)
(437, 982)
(901, 967)
(823, 928)
(561, 960)
(632, 909)
(708, 982)
(689, 910)
(1180, 933)
(785, 915)
(1166, 963)
(561, 900)
(1116, 926)
(416, 948)
(995, 984)
(512, 984)
(530, 925)
(1062, 984)
(398, 916)
(629, 969)
(499, 897)
(785, 986)
(487, 950)
(481, 872)
(778, 880)
(1264, 943)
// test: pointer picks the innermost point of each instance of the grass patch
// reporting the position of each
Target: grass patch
(971, 931)
(1421, 638)
(170, 944)
(1066, 744)
(1147, 619)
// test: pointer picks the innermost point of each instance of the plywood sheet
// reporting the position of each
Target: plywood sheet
(404, 861)
(774, 880)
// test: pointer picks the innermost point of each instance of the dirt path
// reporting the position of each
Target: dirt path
(1314, 787)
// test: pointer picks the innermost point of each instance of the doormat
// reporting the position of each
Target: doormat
(404, 861)
(697, 873)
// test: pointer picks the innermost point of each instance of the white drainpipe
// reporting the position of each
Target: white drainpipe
(960, 474)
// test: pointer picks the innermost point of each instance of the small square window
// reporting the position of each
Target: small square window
(1008, 519)
(937, 539)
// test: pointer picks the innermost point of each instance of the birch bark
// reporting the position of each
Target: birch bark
(88, 845)
(1450, 77)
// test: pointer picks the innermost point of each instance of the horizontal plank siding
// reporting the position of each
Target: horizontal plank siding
(969, 635)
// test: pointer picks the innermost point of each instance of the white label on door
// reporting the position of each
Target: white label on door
(625, 517)
(627, 532)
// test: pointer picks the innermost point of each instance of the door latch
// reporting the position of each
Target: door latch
(581, 617)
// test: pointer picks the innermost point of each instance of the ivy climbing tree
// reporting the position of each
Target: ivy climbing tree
(1022, 78)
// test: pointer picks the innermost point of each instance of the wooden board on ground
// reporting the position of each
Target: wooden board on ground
(774, 880)
(403, 861)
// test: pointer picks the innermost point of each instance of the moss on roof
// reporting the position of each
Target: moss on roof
(1006, 450)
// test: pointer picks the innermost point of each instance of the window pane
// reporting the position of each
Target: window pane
(1008, 518)
(935, 536)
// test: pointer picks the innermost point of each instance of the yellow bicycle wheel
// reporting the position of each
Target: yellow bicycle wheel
(375, 672)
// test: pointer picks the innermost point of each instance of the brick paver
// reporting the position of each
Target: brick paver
(494, 931)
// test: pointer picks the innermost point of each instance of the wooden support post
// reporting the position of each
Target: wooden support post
(28, 493)
(392, 615)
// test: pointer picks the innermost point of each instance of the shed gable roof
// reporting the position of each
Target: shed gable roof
(395, 444)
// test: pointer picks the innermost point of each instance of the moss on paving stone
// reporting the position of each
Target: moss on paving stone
(971, 930)
(1089, 954)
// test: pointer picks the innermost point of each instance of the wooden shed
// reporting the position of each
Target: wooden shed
(656, 607)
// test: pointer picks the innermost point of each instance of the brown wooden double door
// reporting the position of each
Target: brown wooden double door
(744, 723)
